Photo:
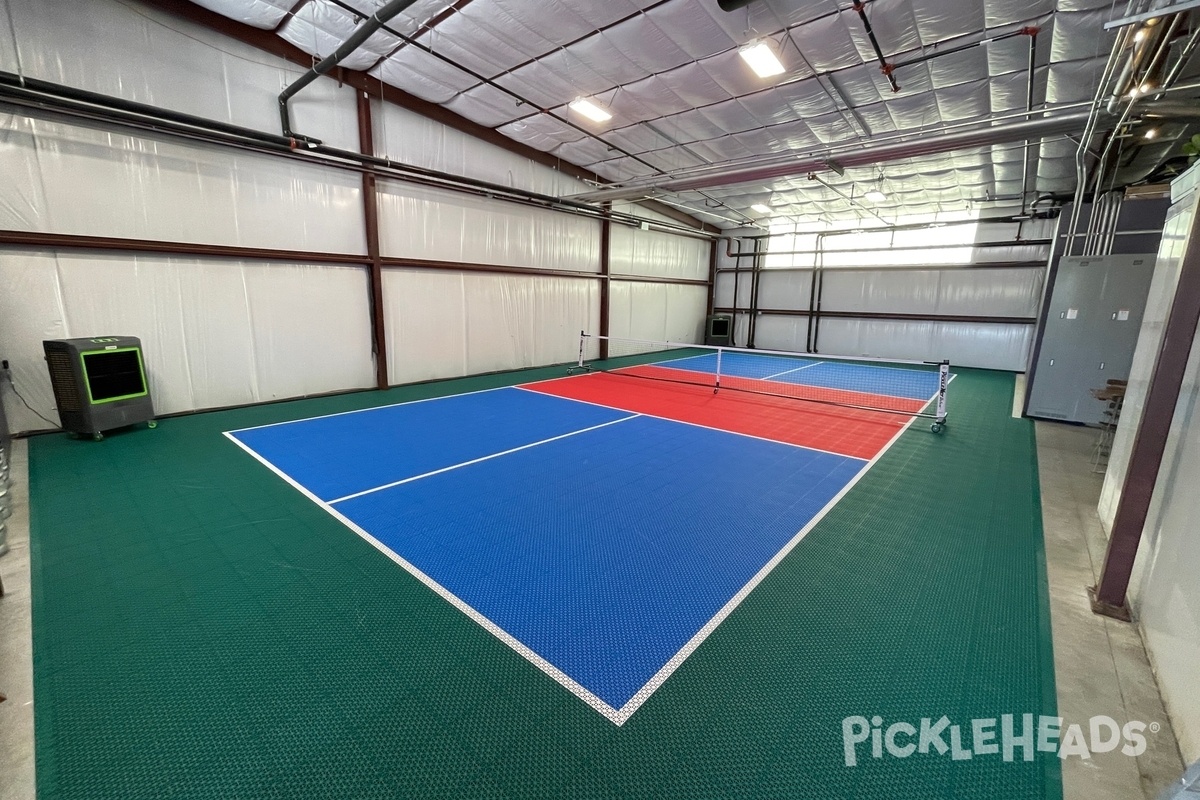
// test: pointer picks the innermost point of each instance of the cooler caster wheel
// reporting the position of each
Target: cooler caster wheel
(97, 436)
(152, 424)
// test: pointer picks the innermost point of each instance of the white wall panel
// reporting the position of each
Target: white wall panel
(152, 57)
(982, 292)
(724, 290)
(434, 224)
(1167, 595)
(652, 253)
(215, 333)
(774, 332)
(784, 290)
(990, 345)
(408, 137)
(444, 324)
(1154, 319)
(73, 180)
(657, 311)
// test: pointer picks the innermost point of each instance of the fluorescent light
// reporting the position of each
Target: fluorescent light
(1150, 134)
(875, 196)
(760, 208)
(590, 110)
(761, 58)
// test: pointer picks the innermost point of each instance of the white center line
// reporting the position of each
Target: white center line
(797, 369)
(478, 460)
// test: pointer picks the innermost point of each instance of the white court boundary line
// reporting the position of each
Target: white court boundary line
(481, 459)
(617, 716)
(786, 371)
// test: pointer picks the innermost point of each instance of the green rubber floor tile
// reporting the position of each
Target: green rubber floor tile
(203, 630)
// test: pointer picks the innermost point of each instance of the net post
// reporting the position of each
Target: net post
(943, 382)
(582, 339)
(717, 385)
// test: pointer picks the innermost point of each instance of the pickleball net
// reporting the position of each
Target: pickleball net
(910, 388)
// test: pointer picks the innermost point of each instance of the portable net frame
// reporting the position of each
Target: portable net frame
(891, 386)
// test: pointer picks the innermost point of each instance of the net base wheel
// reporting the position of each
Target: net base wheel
(937, 427)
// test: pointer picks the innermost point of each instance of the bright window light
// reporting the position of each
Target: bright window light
(760, 208)
(875, 196)
(590, 110)
(762, 59)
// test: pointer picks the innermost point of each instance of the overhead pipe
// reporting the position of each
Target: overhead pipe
(1084, 148)
(364, 31)
(1033, 33)
(733, 5)
(79, 103)
(861, 9)
(863, 156)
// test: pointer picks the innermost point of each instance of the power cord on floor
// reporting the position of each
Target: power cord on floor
(6, 373)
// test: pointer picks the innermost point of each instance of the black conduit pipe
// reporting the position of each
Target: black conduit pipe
(370, 26)
(733, 5)
(884, 66)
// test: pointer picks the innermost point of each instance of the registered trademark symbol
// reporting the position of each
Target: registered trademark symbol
(1155, 727)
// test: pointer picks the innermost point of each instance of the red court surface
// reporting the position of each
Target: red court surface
(846, 431)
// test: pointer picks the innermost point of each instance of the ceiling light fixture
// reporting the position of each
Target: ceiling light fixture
(760, 208)
(1150, 134)
(590, 110)
(875, 196)
(761, 58)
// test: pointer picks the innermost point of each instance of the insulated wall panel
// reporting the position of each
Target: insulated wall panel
(662, 255)
(410, 138)
(74, 180)
(726, 281)
(659, 312)
(962, 292)
(784, 290)
(776, 332)
(215, 333)
(433, 224)
(445, 324)
(1171, 250)
(966, 344)
(654, 253)
(1167, 596)
(159, 59)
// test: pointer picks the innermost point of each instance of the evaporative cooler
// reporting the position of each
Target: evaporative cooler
(99, 384)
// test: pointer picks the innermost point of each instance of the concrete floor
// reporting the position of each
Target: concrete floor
(16, 643)
(1100, 664)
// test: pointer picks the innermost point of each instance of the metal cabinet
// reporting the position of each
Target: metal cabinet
(1092, 327)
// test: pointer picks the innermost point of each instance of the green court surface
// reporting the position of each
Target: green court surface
(202, 630)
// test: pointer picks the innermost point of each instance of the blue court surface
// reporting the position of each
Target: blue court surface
(913, 384)
(597, 542)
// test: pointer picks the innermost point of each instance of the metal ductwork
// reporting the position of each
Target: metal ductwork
(867, 156)
(369, 27)
(733, 5)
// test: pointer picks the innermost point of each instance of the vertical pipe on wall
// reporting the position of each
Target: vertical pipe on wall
(1109, 594)
(606, 277)
(712, 276)
(755, 269)
(366, 144)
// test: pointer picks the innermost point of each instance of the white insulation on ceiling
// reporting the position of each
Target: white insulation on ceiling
(681, 98)
(214, 333)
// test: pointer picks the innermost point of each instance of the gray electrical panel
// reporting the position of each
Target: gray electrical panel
(1092, 326)
(99, 383)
